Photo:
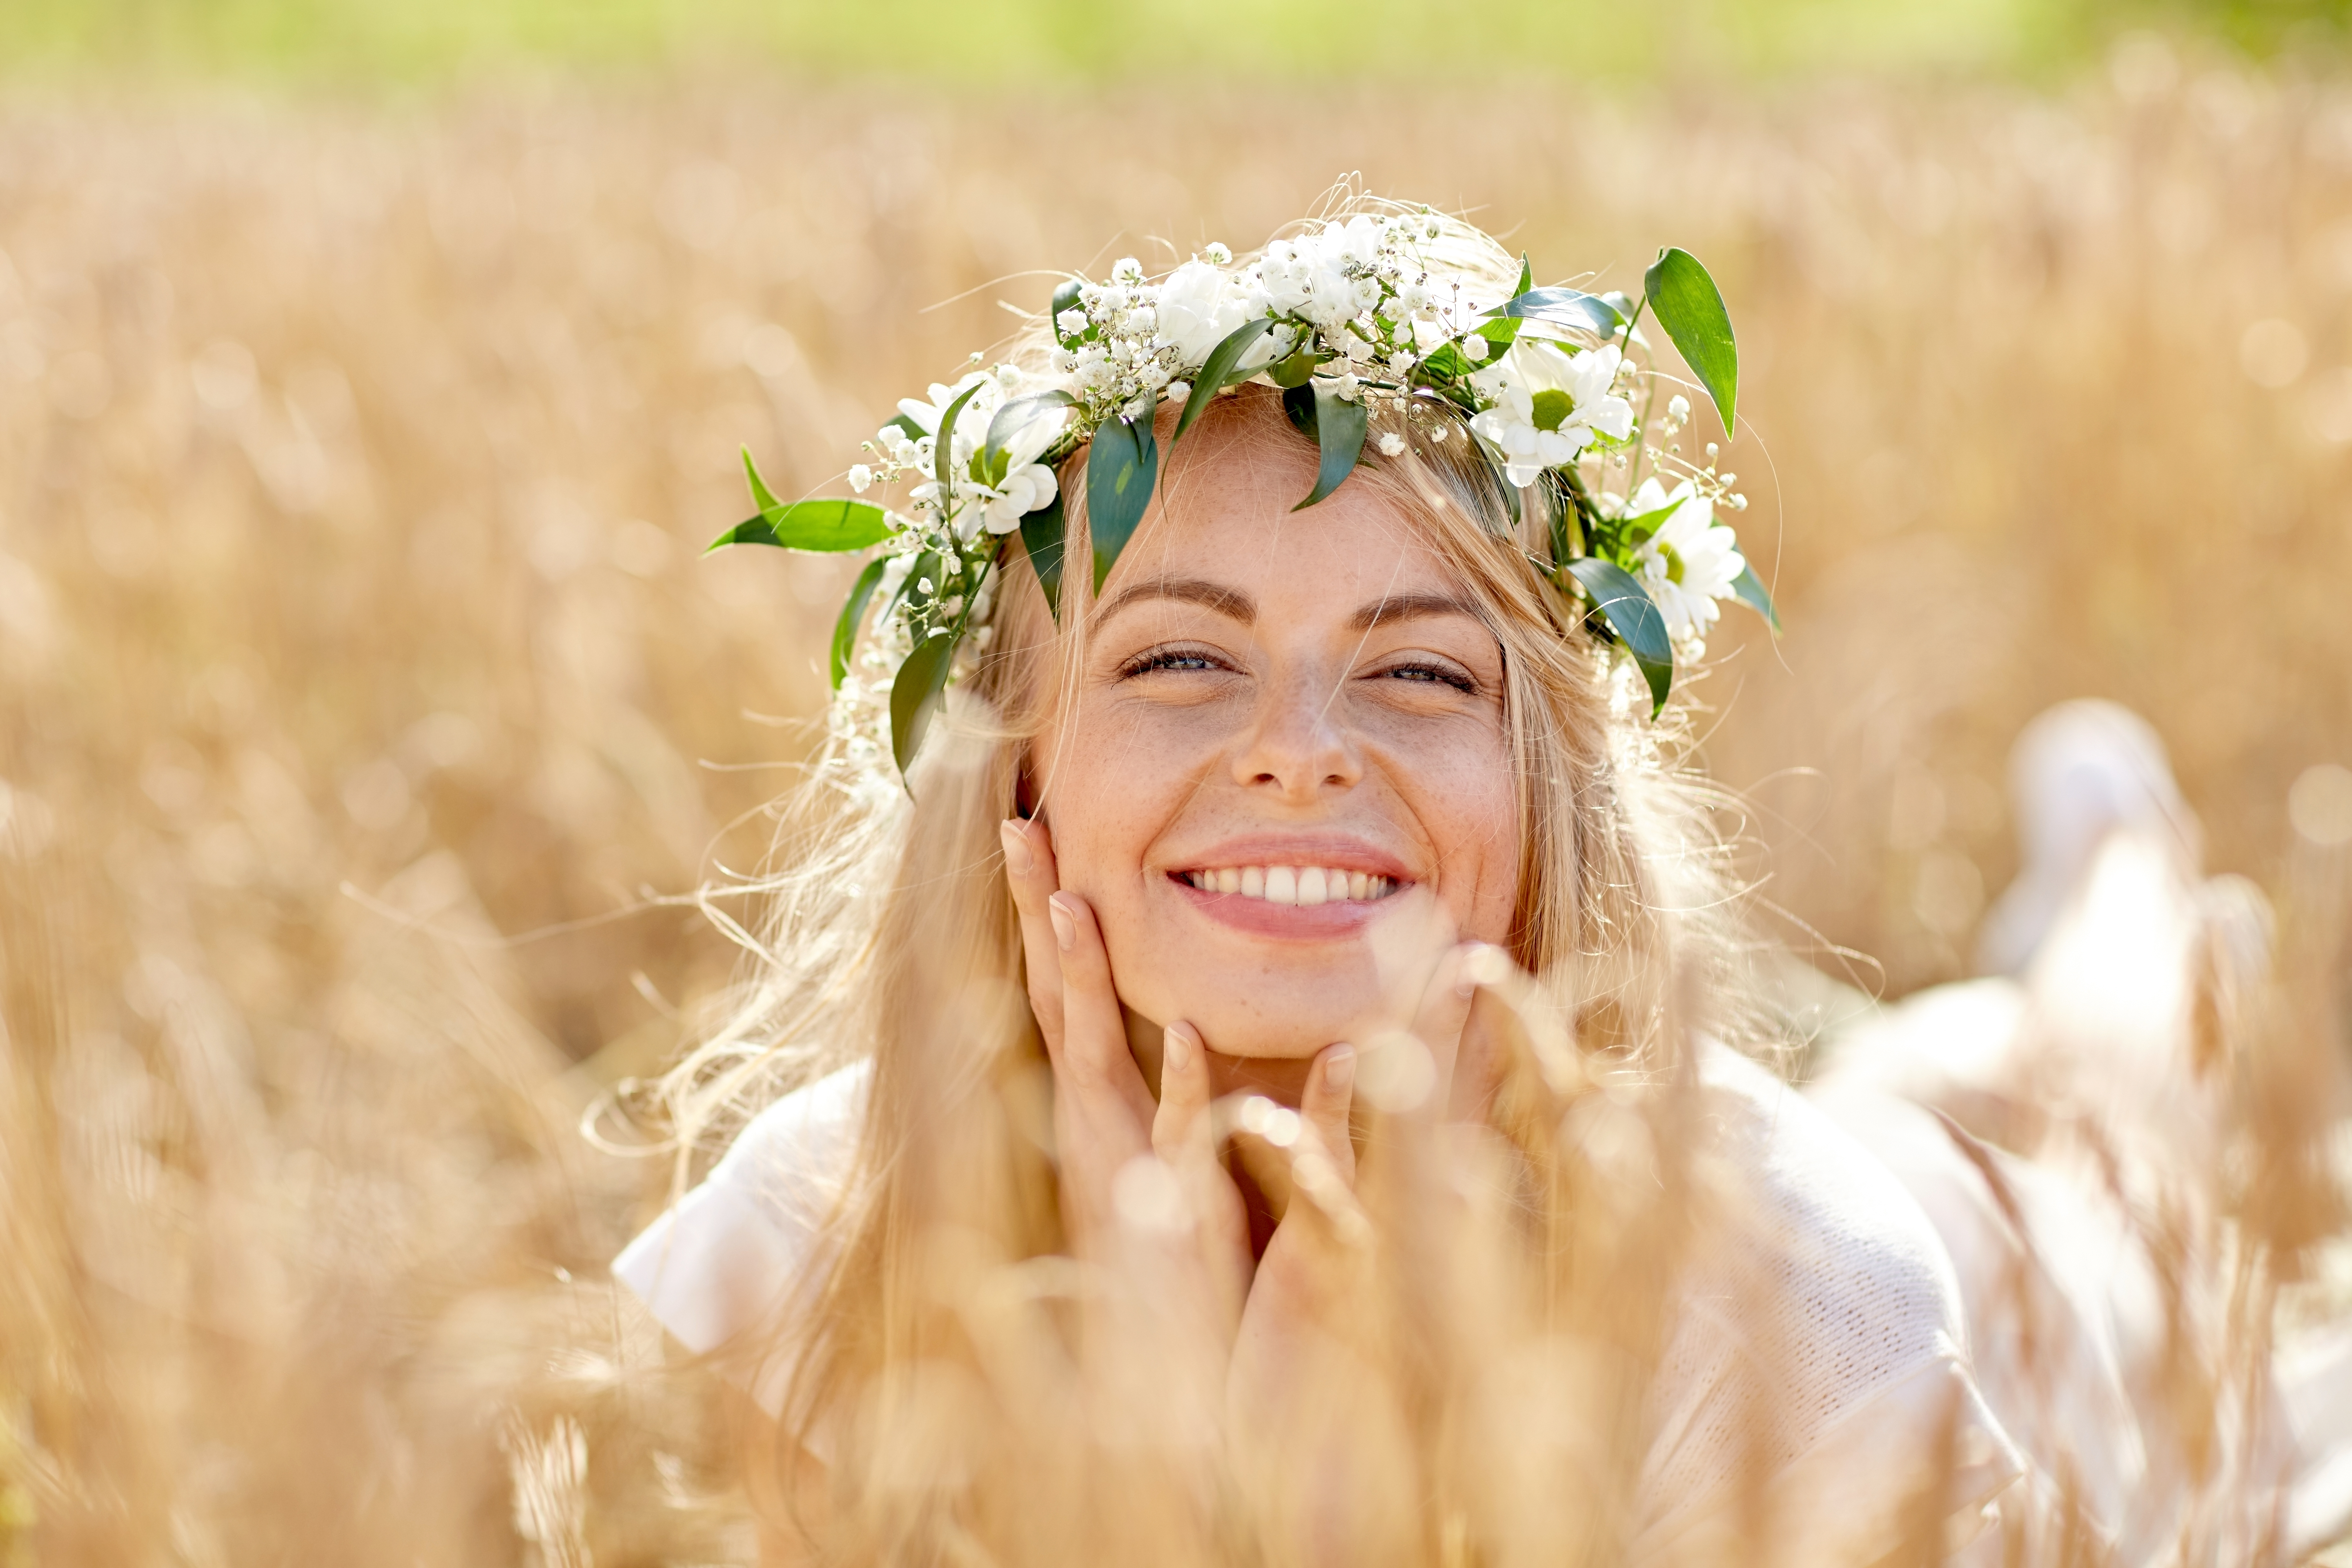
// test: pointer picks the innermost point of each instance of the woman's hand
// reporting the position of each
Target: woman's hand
(1190, 1331)
(1143, 1187)
(1313, 1286)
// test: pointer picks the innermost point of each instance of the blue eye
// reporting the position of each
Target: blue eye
(1178, 660)
(1430, 675)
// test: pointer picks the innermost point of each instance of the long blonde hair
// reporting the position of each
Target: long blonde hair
(889, 934)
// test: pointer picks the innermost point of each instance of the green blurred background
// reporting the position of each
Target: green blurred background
(1074, 41)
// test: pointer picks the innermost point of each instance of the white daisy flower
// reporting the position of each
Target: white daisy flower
(1024, 489)
(1550, 404)
(1690, 563)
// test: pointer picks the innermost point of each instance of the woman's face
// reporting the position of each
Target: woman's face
(1282, 779)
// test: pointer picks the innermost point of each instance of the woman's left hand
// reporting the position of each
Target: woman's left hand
(1308, 1297)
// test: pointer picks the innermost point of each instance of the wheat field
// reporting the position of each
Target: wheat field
(368, 712)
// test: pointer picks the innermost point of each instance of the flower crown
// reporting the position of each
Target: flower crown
(1381, 310)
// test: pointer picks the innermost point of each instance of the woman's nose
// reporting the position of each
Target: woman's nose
(1298, 745)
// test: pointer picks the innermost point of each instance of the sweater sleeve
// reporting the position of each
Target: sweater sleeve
(1817, 1382)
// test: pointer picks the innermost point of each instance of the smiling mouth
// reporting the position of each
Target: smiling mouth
(1304, 887)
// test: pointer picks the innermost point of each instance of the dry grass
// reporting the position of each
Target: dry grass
(354, 467)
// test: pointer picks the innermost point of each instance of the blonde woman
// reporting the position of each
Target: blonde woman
(1255, 1091)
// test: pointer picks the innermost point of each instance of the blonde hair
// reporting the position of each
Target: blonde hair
(889, 933)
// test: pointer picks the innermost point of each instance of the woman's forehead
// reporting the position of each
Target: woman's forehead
(1233, 526)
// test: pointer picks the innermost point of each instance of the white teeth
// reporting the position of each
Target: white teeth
(1304, 887)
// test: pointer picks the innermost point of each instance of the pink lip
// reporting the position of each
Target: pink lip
(1323, 923)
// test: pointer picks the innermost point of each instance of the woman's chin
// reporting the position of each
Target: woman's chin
(1249, 1030)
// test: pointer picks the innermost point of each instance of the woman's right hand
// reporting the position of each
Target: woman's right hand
(1142, 1186)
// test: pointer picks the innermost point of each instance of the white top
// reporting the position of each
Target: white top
(1821, 1344)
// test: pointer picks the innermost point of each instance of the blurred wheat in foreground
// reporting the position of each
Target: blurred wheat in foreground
(362, 695)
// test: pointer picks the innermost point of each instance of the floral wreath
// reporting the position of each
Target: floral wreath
(1346, 316)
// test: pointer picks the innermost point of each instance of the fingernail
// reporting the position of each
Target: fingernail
(1176, 1051)
(1017, 857)
(1339, 1066)
(1066, 930)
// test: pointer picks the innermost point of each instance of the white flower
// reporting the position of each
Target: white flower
(970, 425)
(1690, 563)
(1317, 274)
(1200, 307)
(1217, 255)
(1127, 269)
(1392, 445)
(1677, 408)
(1025, 489)
(894, 573)
(1550, 404)
(1008, 376)
(1027, 441)
(1072, 321)
(860, 476)
(1178, 390)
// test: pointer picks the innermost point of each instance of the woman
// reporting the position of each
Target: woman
(1252, 1097)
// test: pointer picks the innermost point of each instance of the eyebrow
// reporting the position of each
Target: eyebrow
(1236, 604)
(1226, 601)
(1409, 607)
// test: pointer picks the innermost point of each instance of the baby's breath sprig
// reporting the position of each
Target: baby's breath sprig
(1348, 318)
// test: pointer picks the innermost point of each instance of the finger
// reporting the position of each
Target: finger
(1289, 1159)
(1183, 1135)
(1181, 1129)
(1324, 1105)
(1031, 874)
(1094, 1030)
(1443, 1016)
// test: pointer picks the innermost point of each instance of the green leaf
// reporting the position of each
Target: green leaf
(1637, 530)
(946, 444)
(1216, 372)
(1504, 327)
(1338, 427)
(1752, 591)
(853, 615)
(829, 526)
(915, 695)
(1567, 536)
(1690, 308)
(1042, 532)
(1501, 472)
(1565, 307)
(761, 496)
(1014, 417)
(1294, 371)
(1066, 298)
(1619, 598)
(1121, 467)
